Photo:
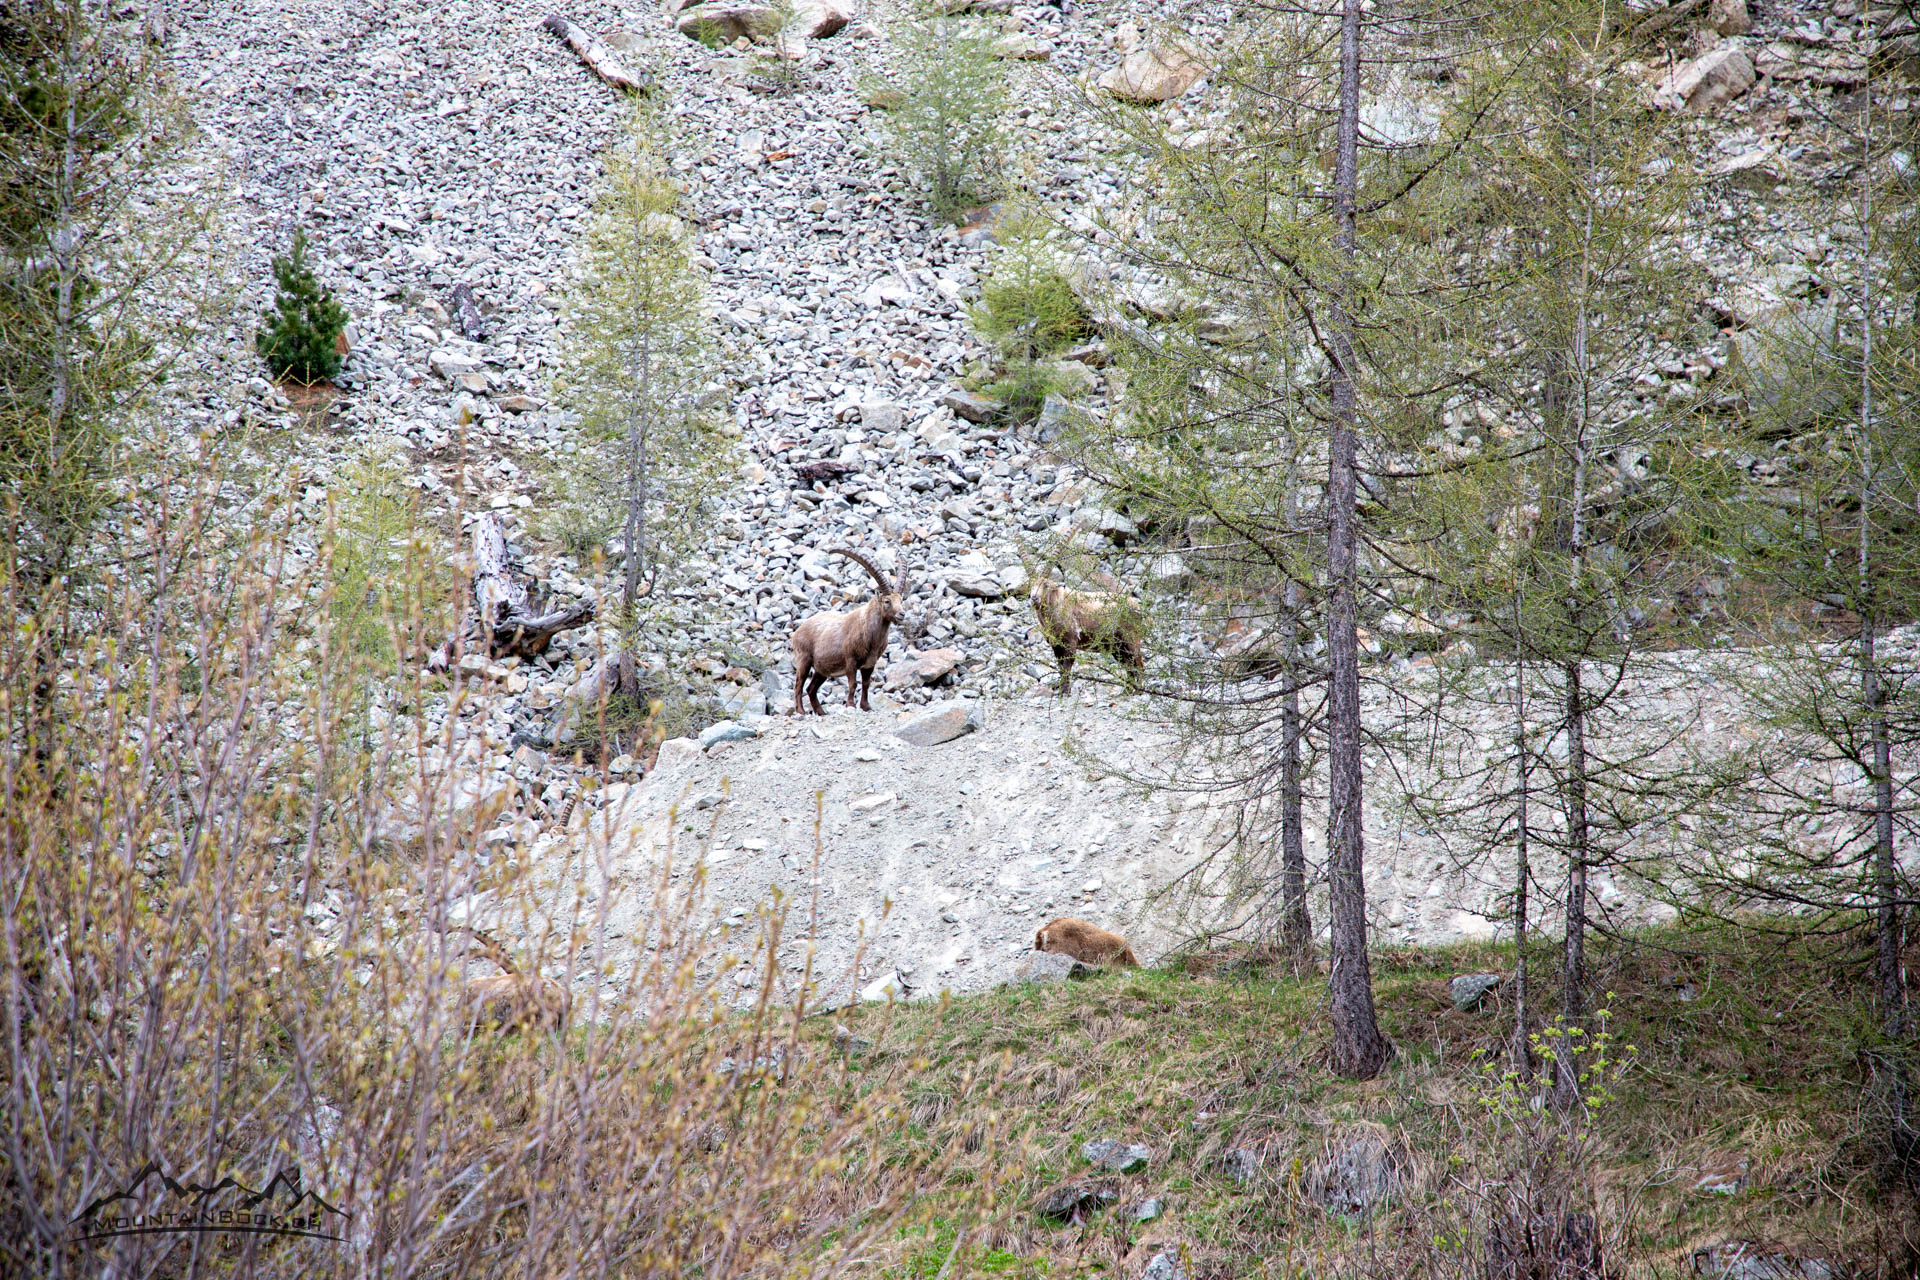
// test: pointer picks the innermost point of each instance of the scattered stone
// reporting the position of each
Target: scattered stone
(726, 23)
(1147, 1210)
(1024, 47)
(1724, 1176)
(1242, 1164)
(1729, 17)
(1164, 1265)
(451, 364)
(1049, 966)
(1075, 1202)
(1116, 1157)
(1468, 989)
(941, 724)
(1761, 1260)
(968, 405)
(980, 586)
(879, 800)
(1361, 1167)
(922, 669)
(725, 731)
(818, 19)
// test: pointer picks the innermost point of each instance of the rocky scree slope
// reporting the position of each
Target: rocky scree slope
(429, 145)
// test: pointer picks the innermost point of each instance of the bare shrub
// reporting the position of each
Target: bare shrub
(237, 947)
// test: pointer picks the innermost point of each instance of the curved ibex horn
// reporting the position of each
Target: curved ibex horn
(863, 562)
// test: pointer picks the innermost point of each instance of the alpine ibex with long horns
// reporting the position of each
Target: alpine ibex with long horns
(850, 644)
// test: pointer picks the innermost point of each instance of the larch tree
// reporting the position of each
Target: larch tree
(1548, 522)
(637, 366)
(1264, 301)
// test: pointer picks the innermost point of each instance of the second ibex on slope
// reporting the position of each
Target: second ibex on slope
(1073, 622)
(849, 644)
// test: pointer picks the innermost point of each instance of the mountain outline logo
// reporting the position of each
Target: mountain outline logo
(200, 1209)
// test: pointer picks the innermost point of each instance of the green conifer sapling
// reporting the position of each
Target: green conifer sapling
(302, 341)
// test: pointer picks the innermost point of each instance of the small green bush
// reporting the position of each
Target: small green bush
(1028, 312)
(302, 341)
(952, 95)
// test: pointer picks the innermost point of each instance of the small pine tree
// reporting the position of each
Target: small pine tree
(302, 341)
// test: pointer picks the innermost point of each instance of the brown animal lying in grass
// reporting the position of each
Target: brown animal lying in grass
(1087, 943)
(514, 1001)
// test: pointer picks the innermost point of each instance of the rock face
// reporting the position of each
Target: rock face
(1709, 81)
(1153, 73)
(1361, 1168)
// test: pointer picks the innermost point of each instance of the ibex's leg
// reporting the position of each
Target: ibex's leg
(866, 684)
(1064, 656)
(801, 670)
(813, 692)
(853, 682)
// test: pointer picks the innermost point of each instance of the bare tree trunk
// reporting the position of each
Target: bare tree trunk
(1890, 987)
(1522, 870)
(1297, 926)
(1359, 1052)
(1573, 967)
(1573, 962)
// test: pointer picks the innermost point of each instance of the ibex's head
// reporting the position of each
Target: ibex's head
(892, 600)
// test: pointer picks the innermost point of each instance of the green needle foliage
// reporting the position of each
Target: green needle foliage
(1028, 311)
(947, 127)
(86, 120)
(639, 359)
(302, 340)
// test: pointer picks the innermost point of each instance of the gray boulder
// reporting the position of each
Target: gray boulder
(1075, 1201)
(1116, 1157)
(1164, 1265)
(1242, 1164)
(1758, 1260)
(939, 724)
(1362, 1167)
(1469, 989)
(1050, 966)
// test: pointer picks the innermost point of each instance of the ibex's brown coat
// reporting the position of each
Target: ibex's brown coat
(514, 1001)
(1076, 621)
(849, 644)
(1087, 943)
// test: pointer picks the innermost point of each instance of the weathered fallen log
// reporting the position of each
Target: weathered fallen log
(504, 623)
(601, 60)
(466, 313)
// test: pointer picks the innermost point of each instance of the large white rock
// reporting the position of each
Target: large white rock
(1153, 73)
(1709, 81)
(818, 19)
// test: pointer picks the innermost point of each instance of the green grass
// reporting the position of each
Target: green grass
(1764, 1062)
